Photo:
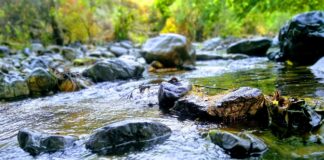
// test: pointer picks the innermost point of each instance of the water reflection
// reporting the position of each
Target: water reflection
(298, 81)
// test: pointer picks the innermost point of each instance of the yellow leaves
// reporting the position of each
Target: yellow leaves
(261, 30)
(78, 18)
(275, 102)
(290, 63)
(84, 61)
(68, 85)
(170, 26)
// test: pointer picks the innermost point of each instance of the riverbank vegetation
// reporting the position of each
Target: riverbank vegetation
(98, 21)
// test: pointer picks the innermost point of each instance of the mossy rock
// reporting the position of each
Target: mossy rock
(84, 61)
(41, 81)
(68, 85)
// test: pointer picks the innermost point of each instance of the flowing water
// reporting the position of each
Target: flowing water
(79, 113)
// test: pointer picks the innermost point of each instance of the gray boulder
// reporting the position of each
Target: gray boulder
(35, 142)
(41, 81)
(71, 54)
(127, 44)
(38, 48)
(191, 107)
(171, 91)
(36, 62)
(6, 65)
(127, 136)
(239, 104)
(4, 51)
(301, 40)
(54, 48)
(118, 50)
(211, 44)
(121, 48)
(12, 87)
(99, 52)
(114, 69)
(238, 146)
(252, 47)
(172, 50)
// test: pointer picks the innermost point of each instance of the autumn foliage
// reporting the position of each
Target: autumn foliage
(97, 21)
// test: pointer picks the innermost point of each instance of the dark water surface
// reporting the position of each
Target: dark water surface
(79, 113)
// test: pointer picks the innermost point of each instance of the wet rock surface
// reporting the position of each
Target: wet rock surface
(276, 56)
(13, 87)
(70, 53)
(242, 145)
(252, 47)
(122, 48)
(204, 56)
(172, 50)
(239, 104)
(126, 136)
(318, 68)
(114, 69)
(171, 91)
(41, 82)
(82, 111)
(211, 44)
(191, 107)
(4, 51)
(35, 142)
(118, 50)
(302, 38)
(292, 117)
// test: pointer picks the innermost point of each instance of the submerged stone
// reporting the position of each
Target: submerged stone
(238, 146)
(35, 142)
(172, 50)
(126, 136)
(239, 104)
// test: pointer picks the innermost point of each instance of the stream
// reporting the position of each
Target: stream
(79, 113)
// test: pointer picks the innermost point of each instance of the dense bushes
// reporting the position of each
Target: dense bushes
(68, 21)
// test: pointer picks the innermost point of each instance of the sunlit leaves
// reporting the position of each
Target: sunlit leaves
(102, 20)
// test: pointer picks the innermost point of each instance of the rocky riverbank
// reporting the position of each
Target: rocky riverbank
(156, 81)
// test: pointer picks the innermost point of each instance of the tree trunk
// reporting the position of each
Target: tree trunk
(57, 32)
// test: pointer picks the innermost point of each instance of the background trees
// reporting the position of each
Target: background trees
(94, 21)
